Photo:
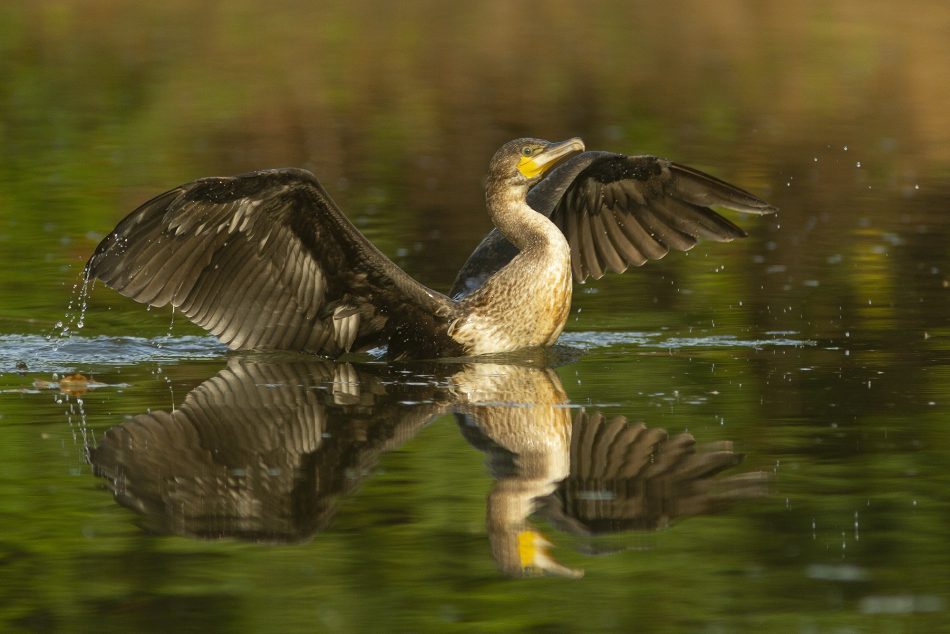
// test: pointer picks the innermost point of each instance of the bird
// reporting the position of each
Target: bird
(268, 261)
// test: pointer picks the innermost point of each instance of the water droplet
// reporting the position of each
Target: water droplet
(75, 308)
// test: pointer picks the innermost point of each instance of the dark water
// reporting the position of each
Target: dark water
(751, 436)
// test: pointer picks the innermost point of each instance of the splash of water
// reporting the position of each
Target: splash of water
(171, 325)
(75, 317)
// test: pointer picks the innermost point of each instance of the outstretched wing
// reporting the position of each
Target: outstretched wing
(265, 260)
(617, 211)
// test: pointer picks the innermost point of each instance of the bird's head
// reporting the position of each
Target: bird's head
(526, 161)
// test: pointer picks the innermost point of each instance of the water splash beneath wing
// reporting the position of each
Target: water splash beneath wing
(75, 317)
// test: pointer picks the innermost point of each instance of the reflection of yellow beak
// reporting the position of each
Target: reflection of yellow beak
(533, 556)
(534, 166)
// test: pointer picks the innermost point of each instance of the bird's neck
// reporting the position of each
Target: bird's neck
(516, 220)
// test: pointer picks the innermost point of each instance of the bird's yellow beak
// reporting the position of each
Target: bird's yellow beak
(536, 165)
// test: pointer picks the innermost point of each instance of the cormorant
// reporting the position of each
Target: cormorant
(267, 261)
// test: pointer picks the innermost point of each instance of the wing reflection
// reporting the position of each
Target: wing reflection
(628, 477)
(262, 450)
(266, 450)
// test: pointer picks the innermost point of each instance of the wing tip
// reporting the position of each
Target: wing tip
(761, 208)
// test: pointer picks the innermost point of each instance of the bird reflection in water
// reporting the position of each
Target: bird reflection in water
(266, 450)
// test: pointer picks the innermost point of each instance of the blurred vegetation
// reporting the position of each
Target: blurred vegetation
(834, 111)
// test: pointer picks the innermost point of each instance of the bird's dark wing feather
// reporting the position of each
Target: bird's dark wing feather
(617, 211)
(264, 260)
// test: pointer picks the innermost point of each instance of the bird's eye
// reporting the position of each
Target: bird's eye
(527, 150)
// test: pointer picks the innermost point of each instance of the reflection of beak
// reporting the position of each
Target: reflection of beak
(533, 555)
(554, 153)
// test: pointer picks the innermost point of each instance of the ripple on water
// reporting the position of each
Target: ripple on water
(731, 341)
(592, 340)
(35, 353)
